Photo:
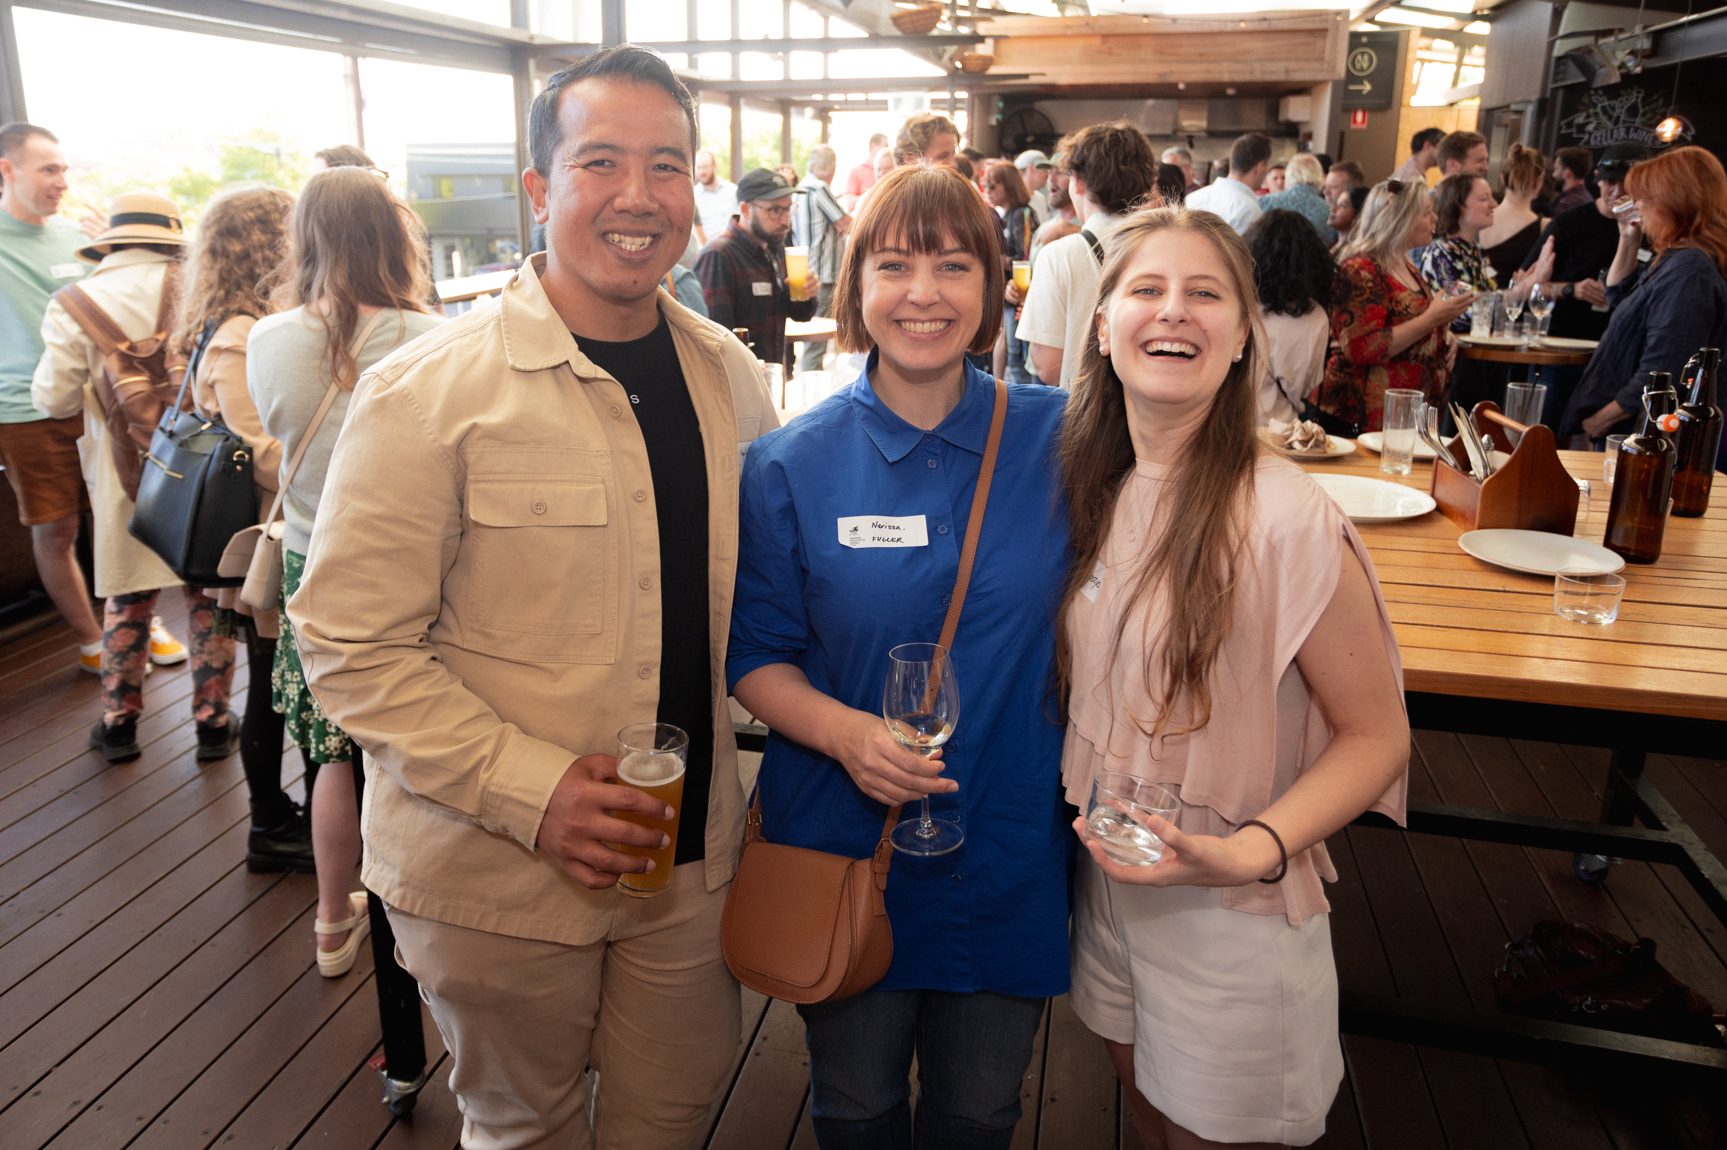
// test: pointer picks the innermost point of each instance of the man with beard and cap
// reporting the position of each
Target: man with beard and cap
(743, 270)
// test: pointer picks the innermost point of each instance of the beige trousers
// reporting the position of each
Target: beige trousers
(651, 1008)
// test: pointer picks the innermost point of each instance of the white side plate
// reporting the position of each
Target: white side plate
(1374, 442)
(1538, 552)
(1367, 500)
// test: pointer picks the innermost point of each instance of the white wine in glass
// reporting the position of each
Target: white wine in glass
(920, 702)
(1540, 306)
(1513, 312)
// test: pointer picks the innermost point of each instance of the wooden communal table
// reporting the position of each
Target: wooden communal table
(1529, 356)
(1484, 653)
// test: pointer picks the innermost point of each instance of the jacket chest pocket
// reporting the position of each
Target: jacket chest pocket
(544, 567)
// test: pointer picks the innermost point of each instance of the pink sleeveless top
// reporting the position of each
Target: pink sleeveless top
(1265, 726)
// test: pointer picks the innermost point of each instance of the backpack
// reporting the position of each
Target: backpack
(138, 380)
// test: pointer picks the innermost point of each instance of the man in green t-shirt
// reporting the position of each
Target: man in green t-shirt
(38, 256)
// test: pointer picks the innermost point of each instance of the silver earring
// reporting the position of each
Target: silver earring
(1237, 358)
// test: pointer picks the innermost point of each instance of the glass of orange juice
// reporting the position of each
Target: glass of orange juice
(798, 271)
(652, 758)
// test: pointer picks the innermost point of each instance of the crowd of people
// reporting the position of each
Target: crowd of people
(509, 535)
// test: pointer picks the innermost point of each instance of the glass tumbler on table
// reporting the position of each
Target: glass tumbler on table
(1109, 816)
(1524, 402)
(651, 758)
(1587, 596)
(920, 702)
(1402, 412)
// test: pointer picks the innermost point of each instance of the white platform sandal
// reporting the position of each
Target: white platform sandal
(336, 963)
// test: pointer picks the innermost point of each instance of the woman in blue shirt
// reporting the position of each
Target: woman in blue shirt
(980, 934)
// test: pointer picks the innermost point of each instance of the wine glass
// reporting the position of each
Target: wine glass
(1540, 306)
(920, 702)
(1513, 310)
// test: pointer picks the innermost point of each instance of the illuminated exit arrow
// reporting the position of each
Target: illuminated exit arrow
(1364, 87)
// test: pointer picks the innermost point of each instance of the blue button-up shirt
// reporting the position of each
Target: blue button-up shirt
(991, 915)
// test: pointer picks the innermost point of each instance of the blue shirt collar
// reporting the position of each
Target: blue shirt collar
(966, 426)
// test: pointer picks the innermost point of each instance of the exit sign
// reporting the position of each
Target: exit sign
(1358, 119)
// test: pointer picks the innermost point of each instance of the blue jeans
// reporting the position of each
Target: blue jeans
(972, 1051)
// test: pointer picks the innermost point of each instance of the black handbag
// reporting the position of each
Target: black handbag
(196, 488)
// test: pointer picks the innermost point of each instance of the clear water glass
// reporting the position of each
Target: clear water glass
(1610, 464)
(1524, 403)
(1402, 412)
(1583, 596)
(1109, 817)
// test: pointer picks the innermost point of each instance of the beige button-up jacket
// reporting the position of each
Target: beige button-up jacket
(481, 603)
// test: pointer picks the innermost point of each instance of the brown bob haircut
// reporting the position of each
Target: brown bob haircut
(924, 210)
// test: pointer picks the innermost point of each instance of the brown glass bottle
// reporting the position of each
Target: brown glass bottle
(1699, 437)
(1643, 478)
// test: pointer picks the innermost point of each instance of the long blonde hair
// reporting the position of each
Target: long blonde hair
(354, 245)
(236, 261)
(1191, 560)
(1382, 228)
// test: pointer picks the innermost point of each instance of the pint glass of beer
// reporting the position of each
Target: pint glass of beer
(797, 271)
(651, 758)
(1022, 275)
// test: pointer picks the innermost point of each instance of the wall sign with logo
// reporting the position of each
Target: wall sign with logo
(1627, 113)
(1370, 70)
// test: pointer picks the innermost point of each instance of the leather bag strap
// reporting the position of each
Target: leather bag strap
(317, 420)
(103, 332)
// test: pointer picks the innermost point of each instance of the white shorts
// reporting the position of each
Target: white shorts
(1232, 1016)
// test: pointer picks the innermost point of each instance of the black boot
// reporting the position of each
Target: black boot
(119, 743)
(217, 741)
(280, 842)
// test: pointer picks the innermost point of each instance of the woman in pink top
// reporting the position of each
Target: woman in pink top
(1221, 634)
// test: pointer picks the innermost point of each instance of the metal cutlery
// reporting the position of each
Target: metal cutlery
(1428, 428)
(1479, 465)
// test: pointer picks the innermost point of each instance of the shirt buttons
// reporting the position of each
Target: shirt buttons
(942, 530)
(646, 582)
(644, 672)
(639, 495)
(931, 464)
(539, 507)
(617, 412)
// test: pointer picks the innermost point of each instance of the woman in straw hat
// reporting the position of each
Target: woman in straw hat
(137, 262)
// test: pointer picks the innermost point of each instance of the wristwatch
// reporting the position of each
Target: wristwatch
(1569, 291)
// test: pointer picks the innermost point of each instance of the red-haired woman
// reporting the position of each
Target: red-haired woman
(1666, 310)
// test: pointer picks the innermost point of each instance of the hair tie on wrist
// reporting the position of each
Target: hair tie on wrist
(1282, 851)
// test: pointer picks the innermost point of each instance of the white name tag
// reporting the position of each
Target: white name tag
(883, 531)
(1094, 585)
(69, 271)
(760, 288)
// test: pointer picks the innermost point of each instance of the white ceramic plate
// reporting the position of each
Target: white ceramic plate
(1374, 442)
(1334, 447)
(1491, 340)
(1561, 343)
(1367, 500)
(1538, 552)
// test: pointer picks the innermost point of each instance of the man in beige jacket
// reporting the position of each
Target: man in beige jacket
(531, 540)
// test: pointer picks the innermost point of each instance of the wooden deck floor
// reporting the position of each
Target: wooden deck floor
(155, 994)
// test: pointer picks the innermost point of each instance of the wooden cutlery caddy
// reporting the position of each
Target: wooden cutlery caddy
(1531, 491)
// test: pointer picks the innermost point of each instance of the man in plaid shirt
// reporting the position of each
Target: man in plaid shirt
(743, 270)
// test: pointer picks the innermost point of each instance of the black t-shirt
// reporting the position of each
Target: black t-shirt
(650, 374)
(1584, 242)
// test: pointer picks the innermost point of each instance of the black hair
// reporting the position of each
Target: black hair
(1577, 161)
(344, 156)
(629, 61)
(1171, 184)
(1291, 267)
(1249, 151)
(1358, 199)
(1425, 137)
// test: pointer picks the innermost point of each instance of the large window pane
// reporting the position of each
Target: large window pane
(447, 136)
(180, 131)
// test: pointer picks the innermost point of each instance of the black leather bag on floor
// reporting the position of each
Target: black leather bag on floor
(1574, 972)
(196, 488)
